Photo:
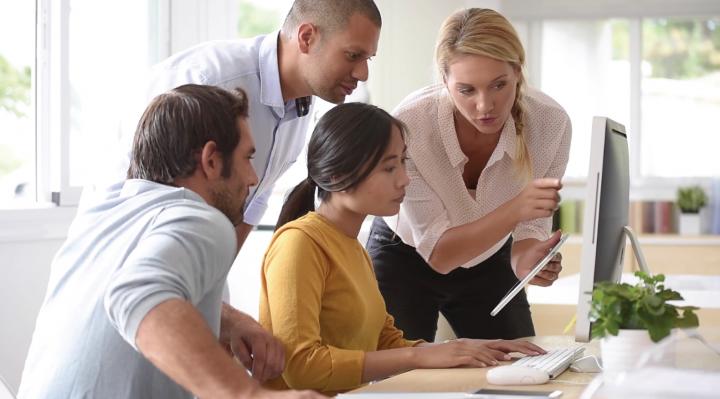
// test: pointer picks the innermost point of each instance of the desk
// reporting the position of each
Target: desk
(469, 380)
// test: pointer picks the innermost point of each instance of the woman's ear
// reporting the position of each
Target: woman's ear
(211, 161)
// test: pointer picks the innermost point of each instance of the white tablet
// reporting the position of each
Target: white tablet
(522, 283)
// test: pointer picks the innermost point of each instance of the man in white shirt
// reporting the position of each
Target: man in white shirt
(321, 50)
(134, 302)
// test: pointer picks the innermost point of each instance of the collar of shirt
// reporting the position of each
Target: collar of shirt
(446, 121)
(133, 187)
(270, 89)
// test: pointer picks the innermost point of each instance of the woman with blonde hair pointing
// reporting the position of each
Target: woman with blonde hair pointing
(486, 155)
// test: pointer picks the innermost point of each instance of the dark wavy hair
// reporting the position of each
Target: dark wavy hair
(177, 124)
(346, 145)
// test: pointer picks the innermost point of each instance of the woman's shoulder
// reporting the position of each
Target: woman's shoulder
(304, 228)
(311, 230)
(546, 121)
(419, 104)
(295, 240)
(541, 106)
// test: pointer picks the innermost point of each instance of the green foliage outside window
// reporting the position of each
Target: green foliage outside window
(254, 20)
(682, 49)
(14, 88)
(675, 48)
(14, 98)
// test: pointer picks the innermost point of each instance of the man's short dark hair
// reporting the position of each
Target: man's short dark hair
(176, 125)
(329, 15)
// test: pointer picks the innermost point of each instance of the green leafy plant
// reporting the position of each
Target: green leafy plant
(642, 306)
(691, 199)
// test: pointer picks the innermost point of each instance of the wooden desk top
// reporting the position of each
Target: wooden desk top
(689, 354)
(471, 379)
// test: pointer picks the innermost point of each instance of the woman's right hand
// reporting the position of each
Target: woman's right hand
(539, 199)
(472, 352)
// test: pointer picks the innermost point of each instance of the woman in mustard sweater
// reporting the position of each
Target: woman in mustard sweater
(319, 295)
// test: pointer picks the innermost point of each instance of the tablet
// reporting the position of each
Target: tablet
(522, 283)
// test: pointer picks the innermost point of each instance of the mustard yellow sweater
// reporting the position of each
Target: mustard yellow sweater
(320, 298)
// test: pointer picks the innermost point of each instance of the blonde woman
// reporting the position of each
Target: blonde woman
(486, 158)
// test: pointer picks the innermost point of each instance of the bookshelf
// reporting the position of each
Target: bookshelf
(645, 217)
(668, 254)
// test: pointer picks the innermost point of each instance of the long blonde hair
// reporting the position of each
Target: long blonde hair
(481, 31)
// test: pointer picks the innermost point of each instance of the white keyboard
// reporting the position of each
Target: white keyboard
(554, 362)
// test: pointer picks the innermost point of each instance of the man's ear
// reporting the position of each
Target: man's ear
(307, 35)
(211, 161)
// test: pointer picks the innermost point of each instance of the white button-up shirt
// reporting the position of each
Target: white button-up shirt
(251, 64)
(437, 198)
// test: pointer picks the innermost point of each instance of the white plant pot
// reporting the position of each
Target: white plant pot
(690, 224)
(621, 353)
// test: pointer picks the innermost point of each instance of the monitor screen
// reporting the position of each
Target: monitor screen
(606, 215)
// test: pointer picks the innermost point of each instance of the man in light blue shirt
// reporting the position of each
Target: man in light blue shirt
(134, 302)
(322, 49)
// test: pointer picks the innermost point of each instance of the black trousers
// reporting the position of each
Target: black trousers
(414, 293)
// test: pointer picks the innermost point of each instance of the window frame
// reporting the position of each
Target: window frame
(56, 200)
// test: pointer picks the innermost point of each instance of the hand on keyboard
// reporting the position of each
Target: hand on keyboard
(554, 362)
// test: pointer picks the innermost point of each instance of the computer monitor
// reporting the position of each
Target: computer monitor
(605, 220)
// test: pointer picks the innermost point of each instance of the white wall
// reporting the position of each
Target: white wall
(28, 242)
(404, 61)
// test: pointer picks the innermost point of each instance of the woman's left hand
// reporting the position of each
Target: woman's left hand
(529, 254)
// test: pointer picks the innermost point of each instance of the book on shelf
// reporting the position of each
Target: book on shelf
(664, 217)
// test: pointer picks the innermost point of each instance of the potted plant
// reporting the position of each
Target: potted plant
(690, 200)
(630, 319)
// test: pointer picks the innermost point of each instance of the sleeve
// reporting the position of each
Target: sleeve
(423, 218)
(294, 273)
(185, 255)
(391, 337)
(163, 78)
(257, 207)
(540, 228)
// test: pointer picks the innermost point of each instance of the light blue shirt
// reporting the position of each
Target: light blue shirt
(251, 64)
(140, 245)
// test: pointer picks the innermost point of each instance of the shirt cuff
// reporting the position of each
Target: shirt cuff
(254, 213)
(347, 366)
(137, 314)
(524, 232)
(427, 242)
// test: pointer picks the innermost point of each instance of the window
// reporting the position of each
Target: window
(258, 17)
(17, 105)
(68, 67)
(680, 97)
(571, 52)
(106, 62)
(658, 75)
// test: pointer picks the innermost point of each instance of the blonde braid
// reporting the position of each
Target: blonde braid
(523, 163)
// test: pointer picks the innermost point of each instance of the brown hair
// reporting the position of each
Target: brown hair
(480, 31)
(177, 124)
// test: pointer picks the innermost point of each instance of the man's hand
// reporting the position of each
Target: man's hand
(527, 253)
(251, 344)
